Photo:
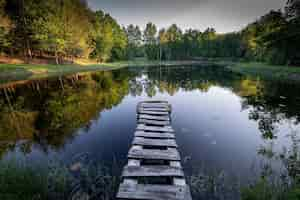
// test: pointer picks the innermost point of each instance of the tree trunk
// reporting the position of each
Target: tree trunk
(56, 58)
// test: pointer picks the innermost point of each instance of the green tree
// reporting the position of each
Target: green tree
(134, 37)
(151, 47)
(174, 39)
(5, 27)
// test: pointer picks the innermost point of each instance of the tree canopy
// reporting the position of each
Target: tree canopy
(64, 30)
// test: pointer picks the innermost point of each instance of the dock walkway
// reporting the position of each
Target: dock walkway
(154, 171)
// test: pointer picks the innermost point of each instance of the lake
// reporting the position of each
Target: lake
(228, 126)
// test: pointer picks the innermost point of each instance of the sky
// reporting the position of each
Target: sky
(223, 15)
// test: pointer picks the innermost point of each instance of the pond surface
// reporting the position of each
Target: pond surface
(225, 123)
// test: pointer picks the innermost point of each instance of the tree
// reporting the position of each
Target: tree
(190, 42)
(292, 9)
(151, 47)
(174, 37)
(5, 27)
(134, 37)
(102, 38)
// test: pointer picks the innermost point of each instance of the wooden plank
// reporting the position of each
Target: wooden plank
(154, 135)
(153, 122)
(154, 109)
(152, 171)
(179, 181)
(155, 101)
(142, 127)
(153, 117)
(153, 113)
(147, 104)
(152, 192)
(154, 142)
(154, 154)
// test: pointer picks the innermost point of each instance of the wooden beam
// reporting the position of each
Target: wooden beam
(153, 117)
(154, 154)
(152, 171)
(152, 192)
(153, 113)
(153, 122)
(154, 142)
(154, 135)
(142, 127)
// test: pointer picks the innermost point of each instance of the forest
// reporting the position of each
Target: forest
(68, 29)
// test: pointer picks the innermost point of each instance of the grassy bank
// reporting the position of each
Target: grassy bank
(87, 180)
(79, 180)
(288, 73)
(17, 72)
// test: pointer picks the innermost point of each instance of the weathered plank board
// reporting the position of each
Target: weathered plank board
(152, 171)
(153, 113)
(154, 135)
(155, 128)
(154, 109)
(154, 142)
(153, 122)
(154, 154)
(153, 117)
(153, 192)
(156, 101)
(154, 105)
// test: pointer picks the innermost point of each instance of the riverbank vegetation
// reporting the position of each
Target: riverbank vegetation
(82, 178)
(20, 72)
(264, 70)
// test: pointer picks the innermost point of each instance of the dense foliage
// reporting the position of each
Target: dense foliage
(59, 29)
(64, 30)
(273, 38)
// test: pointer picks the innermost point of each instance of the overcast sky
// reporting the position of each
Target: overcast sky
(223, 15)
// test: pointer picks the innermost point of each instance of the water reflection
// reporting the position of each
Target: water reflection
(49, 111)
(227, 124)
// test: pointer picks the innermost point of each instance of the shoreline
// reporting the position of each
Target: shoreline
(10, 73)
(22, 73)
(266, 71)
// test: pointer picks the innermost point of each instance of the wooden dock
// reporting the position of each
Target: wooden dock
(153, 171)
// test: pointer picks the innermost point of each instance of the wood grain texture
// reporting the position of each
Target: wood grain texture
(152, 171)
(153, 122)
(154, 135)
(152, 192)
(154, 154)
(153, 112)
(153, 117)
(154, 142)
(142, 127)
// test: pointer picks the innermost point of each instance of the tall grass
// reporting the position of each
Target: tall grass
(56, 181)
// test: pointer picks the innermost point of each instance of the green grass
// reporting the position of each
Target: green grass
(14, 72)
(263, 70)
(19, 180)
(18, 72)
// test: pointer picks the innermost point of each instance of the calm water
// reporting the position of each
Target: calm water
(225, 123)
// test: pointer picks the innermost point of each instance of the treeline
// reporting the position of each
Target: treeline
(68, 29)
(273, 38)
(59, 29)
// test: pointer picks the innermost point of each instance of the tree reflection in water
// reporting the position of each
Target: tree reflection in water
(47, 112)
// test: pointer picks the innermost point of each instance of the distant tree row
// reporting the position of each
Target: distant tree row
(273, 38)
(69, 29)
